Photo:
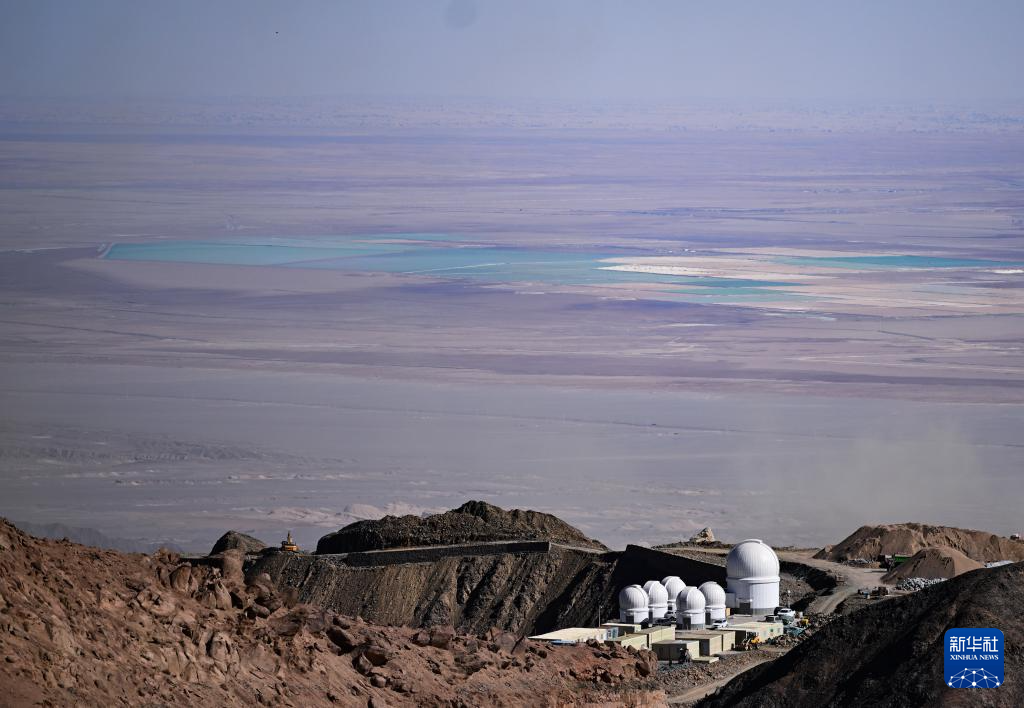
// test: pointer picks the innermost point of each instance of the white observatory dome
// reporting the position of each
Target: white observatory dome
(657, 598)
(752, 558)
(690, 609)
(752, 571)
(673, 585)
(633, 597)
(692, 601)
(714, 596)
(633, 604)
(656, 592)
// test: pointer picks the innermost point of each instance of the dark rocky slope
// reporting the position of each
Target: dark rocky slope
(525, 591)
(473, 522)
(891, 653)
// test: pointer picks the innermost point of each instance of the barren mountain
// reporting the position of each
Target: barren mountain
(891, 653)
(473, 522)
(871, 541)
(83, 626)
(474, 567)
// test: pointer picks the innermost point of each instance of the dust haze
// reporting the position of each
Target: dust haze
(648, 266)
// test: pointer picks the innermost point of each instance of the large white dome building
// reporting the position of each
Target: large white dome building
(633, 604)
(752, 577)
(714, 599)
(657, 598)
(690, 609)
(673, 585)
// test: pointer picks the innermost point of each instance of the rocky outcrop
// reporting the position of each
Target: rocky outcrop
(236, 540)
(891, 653)
(521, 592)
(82, 626)
(473, 522)
(705, 535)
(869, 542)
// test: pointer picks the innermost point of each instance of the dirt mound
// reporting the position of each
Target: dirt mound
(891, 653)
(869, 542)
(939, 562)
(79, 625)
(235, 540)
(473, 522)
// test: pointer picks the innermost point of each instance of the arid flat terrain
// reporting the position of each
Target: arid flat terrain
(820, 311)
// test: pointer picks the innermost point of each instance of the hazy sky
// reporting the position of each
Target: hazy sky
(917, 50)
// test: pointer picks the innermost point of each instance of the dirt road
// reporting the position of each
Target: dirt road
(855, 578)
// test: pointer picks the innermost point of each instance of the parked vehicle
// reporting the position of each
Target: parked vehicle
(786, 614)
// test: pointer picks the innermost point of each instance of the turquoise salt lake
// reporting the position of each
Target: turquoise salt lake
(442, 257)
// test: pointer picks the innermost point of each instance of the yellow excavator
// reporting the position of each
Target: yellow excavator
(751, 643)
(289, 545)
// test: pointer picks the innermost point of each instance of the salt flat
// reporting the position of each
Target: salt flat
(171, 399)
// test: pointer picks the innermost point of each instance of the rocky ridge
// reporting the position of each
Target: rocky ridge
(79, 625)
(527, 592)
(868, 542)
(473, 522)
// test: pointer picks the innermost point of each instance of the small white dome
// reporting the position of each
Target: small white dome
(692, 600)
(656, 593)
(673, 586)
(713, 594)
(633, 597)
(752, 558)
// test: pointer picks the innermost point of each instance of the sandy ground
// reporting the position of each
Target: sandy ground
(174, 400)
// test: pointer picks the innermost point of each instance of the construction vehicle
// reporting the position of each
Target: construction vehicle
(750, 643)
(896, 559)
(288, 545)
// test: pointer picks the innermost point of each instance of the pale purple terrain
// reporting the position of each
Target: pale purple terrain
(171, 401)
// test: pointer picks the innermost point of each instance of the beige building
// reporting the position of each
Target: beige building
(573, 635)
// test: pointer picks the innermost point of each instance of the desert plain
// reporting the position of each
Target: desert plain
(268, 317)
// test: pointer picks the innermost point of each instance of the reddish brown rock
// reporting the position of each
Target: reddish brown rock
(81, 626)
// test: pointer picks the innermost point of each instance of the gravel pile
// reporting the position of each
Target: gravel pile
(680, 677)
(914, 584)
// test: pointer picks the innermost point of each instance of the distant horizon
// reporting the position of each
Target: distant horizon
(916, 51)
(732, 103)
(360, 113)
